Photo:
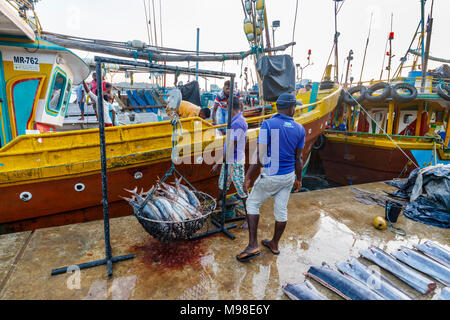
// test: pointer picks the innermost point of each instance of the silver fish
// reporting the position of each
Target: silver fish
(372, 278)
(424, 264)
(401, 271)
(192, 198)
(302, 291)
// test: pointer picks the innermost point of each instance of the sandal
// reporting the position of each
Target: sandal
(265, 243)
(247, 255)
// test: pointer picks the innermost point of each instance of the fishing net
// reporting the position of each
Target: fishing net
(168, 231)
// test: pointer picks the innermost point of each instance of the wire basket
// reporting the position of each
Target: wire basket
(168, 231)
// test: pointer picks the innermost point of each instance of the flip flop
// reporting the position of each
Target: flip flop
(265, 243)
(249, 256)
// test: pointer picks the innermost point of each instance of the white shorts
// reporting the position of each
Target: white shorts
(279, 187)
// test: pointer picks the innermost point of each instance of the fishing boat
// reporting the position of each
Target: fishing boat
(385, 129)
(50, 178)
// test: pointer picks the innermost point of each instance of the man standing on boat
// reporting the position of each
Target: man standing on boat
(108, 110)
(81, 99)
(221, 106)
(280, 143)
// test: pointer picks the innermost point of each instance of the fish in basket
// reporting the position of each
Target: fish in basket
(171, 212)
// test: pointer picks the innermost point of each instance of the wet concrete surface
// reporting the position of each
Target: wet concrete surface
(324, 225)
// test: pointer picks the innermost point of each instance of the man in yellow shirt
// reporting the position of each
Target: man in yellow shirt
(187, 110)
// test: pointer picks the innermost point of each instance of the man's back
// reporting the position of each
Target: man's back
(283, 136)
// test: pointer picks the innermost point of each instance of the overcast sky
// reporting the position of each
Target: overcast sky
(221, 28)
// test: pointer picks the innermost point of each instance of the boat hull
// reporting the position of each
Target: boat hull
(358, 161)
(57, 202)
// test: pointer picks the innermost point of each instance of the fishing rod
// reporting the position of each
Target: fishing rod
(365, 50)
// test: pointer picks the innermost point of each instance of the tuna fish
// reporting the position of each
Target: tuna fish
(343, 285)
(424, 264)
(302, 291)
(401, 271)
(192, 198)
(372, 278)
(167, 203)
(435, 252)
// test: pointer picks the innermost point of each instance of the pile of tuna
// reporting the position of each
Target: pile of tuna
(167, 203)
(354, 280)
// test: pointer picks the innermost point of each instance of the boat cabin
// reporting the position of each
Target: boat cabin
(36, 79)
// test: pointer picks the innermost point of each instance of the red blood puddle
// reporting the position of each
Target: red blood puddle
(172, 255)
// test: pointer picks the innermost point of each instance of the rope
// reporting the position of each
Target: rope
(392, 228)
(390, 138)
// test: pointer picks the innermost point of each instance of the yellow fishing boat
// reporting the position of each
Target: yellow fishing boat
(52, 178)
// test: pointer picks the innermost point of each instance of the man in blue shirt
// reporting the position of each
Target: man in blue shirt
(81, 99)
(236, 156)
(280, 144)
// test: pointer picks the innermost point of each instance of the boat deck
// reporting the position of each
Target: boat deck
(324, 225)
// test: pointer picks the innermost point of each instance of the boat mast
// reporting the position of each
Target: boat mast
(365, 50)
(426, 54)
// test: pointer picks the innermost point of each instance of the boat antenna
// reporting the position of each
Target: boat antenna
(154, 21)
(391, 37)
(293, 32)
(337, 8)
(427, 46)
(365, 51)
(147, 22)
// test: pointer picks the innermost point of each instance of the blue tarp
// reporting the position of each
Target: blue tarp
(428, 191)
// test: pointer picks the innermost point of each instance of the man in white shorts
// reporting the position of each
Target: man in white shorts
(280, 143)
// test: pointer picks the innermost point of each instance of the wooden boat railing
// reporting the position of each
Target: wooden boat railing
(383, 136)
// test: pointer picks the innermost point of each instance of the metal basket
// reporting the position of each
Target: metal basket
(168, 231)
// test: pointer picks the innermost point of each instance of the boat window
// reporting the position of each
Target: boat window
(59, 82)
(407, 118)
(67, 95)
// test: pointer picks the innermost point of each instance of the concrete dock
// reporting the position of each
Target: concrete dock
(324, 225)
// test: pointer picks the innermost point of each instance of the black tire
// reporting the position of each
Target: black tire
(349, 100)
(402, 98)
(378, 86)
(320, 142)
(325, 85)
(443, 91)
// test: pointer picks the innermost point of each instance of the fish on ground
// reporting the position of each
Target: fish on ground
(302, 291)
(401, 271)
(372, 278)
(424, 264)
(343, 285)
(435, 252)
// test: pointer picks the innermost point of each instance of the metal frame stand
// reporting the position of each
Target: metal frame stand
(109, 259)
(221, 227)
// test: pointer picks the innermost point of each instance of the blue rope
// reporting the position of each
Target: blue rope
(392, 228)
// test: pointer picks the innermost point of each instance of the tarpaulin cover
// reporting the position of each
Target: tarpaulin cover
(191, 92)
(442, 72)
(277, 74)
(428, 191)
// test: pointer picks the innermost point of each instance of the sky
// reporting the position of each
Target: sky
(221, 29)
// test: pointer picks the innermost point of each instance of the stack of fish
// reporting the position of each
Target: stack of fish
(357, 281)
(167, 203)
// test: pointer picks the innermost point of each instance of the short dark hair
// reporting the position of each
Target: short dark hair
(206, 112)
(106, 97)
(227, 83)
(108, 85)
(236, 103)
